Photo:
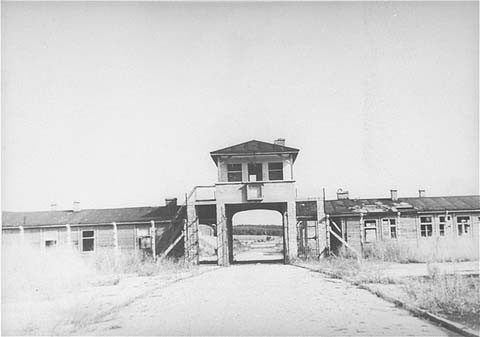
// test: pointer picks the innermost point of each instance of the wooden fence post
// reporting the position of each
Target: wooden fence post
(22, 234)
(69, 236)
(398, 225)
(186, 254)
(154, 239)
(115, 237)
(362, 230)
(327, 233)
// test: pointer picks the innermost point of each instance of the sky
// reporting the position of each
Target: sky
(119, 104)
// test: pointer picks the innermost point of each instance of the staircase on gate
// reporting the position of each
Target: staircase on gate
(183, 226)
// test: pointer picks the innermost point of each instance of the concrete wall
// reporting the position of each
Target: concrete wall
(273, 192)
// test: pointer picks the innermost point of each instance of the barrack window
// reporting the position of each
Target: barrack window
(88, 241)
(426, 226)
(463, 225)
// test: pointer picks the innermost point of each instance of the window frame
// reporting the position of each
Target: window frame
(93, 237)
(464, 225)
(50, 238)
(141, 240)
(50, 246)
(426, 224)
(258, 171)
(393, 226)
(370, 228)
(442, 223)
(230, 172)
(273, 171)
(387, 223)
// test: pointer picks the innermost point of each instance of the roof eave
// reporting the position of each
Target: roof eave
(215, 155)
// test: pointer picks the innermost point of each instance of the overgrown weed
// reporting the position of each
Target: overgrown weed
(430, 251)
(134, 262)
(456, 296)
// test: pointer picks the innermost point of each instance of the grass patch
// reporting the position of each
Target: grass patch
(454, 296)
(352, 270)
(429, 251)
(29, 271)
(134, 262)
(47, 292)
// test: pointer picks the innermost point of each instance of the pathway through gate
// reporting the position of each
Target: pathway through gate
(262, 299)
(257, 236)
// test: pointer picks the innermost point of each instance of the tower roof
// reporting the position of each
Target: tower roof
(254, 147)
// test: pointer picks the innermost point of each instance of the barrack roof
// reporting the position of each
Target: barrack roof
(88, 216)
(415, 204)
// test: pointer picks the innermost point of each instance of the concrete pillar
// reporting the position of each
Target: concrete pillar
(288, 168)
(291, 167)
(285, 236)
(265, 171)
(244, 171)
(222, 239)
(219, 170)
(292, 249)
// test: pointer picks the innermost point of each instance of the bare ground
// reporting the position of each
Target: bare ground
(261, 300)
(65, 312)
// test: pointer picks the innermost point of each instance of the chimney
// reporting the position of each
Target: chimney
(421, 193)
(394, 195)
(53, 207)
(279, 141)
(76, 206)
(171, 204)
(341, 194)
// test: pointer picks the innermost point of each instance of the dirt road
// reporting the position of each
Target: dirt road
(262, 300)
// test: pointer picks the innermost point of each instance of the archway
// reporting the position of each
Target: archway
(257, 235)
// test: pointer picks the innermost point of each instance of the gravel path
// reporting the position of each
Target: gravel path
(262, 300)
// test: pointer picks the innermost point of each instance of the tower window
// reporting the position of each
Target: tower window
(234, 172)
(275, 171)
(255, 172)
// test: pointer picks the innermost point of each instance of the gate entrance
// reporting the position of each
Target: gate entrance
(256, 232)
(257, 236)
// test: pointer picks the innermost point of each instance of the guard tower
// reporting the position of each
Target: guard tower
(254, 175)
